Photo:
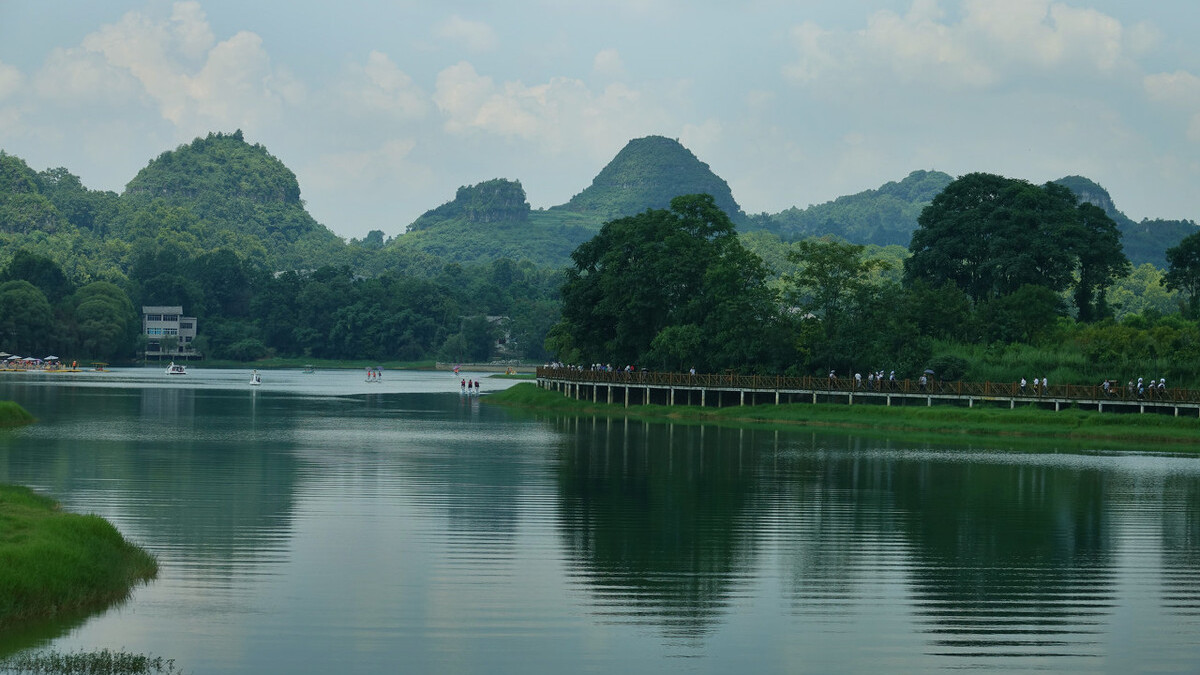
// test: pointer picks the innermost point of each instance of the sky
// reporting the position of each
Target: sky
(384, 109)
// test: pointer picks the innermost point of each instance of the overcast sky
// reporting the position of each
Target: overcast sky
(383, 109)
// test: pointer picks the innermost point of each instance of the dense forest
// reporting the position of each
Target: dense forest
(218, 226)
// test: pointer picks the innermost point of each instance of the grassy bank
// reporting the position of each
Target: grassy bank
(54, 563)
(1134, 430)
(13, 415)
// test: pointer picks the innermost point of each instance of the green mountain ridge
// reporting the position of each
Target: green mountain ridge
(222, 192)
(647, 174)
(1143, 242)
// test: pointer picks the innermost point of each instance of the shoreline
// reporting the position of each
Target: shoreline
(1027, 423)
(60, 564)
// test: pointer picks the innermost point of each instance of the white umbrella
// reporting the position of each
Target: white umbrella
(14, 358)
(51, 358)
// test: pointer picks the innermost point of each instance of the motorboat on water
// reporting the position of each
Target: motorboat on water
(255, 379)
(174, 369)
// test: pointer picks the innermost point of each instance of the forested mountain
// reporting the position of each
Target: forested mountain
(1144, 242)
(240, 195)
(491, 221)
(647, 174)
(882, 217)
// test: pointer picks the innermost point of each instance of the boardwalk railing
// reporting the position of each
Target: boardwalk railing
(1096, 395)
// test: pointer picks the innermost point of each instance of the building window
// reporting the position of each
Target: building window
(154, 317)
(170, 317)
(154, 331)
(152, 347)
(185, 326)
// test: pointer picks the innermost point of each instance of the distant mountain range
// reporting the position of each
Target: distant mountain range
(493, 218)
(220, 191)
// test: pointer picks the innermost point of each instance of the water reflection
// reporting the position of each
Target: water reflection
(656, 522)
(343, 530)
(996, 554)
(166, 467)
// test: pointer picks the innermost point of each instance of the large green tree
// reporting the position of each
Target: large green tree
(26, 321)
(1183, 271)
(850, 319)
(678, 276)
(990, 235)
(105, 320)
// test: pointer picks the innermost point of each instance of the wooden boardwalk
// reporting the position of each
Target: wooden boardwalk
(639, 388)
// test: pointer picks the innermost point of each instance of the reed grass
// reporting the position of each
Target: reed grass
(1129, 430)
(55, 563)
(103, 662)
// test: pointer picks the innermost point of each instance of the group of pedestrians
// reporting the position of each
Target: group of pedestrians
(1040, 386)
(1146, 388)
(875, 380)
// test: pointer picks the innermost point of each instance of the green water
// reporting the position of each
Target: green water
(323, 524)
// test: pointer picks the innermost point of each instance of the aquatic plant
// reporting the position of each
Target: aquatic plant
(103, 662)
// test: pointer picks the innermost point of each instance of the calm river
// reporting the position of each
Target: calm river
(323, 524)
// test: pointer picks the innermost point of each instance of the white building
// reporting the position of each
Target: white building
(169, 334)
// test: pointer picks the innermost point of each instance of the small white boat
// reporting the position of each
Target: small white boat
(174, 369)
(255, 379)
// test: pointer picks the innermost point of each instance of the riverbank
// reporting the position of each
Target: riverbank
(55, 564)
(13, 415)
(1159, 431)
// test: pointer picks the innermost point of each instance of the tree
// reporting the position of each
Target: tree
(831, 278)
(26, 322)
(643, 274)
(39, 271)
(105, 320)
(1183, 271)
(991, 235)
(1101, 261)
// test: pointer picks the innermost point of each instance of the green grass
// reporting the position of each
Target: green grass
(13, 415)
(54, 563)
(1126, 430)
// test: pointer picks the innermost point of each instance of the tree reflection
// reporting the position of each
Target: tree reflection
(656, 519)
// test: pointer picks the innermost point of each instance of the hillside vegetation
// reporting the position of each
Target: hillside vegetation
(218, 226)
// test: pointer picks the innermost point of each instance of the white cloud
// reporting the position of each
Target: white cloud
(345, 169)
(1179, 90)
(475, 36)
(380, 86)
(195, 82)
(608, 64)
(702, 139)
(80, 77)
(236, 86)
(11, 80)
(190, 29)
(559, 114)
(993, 41)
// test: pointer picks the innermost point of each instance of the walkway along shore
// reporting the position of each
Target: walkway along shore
(641, 388)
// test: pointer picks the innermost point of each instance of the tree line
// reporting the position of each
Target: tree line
(247, 312)
(1002, 278)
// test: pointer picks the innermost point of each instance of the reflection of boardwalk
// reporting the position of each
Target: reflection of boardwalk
(639, 388)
